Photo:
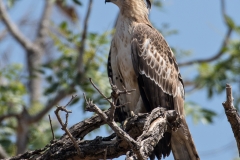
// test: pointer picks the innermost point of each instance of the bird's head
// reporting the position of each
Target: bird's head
(133, 8)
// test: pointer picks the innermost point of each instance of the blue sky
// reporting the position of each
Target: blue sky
(201, 30)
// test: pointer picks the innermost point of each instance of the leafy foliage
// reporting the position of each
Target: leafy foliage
(12, 89)
(11, 101)
(199, 114)
(226, 70)
(61, 72)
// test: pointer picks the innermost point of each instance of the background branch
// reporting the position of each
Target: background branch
(216, 56)
(53, 102)
(83, 38)
(14, 30)
(10, 115)
(3, 153)
(223, 46)
(3, 34)
(44, 23)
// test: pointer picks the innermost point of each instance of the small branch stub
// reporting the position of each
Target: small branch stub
(232, 115)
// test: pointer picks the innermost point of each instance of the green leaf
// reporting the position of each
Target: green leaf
(52, 88)
(229, 21)
(49, 79)
(237, 29)
(198, 113)
(63, 25)
(158, 4)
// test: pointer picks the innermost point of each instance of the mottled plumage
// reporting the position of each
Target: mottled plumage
(141, 59)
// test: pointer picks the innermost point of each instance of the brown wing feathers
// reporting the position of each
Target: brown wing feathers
(152, 72)
(160, 84)
(154, 59)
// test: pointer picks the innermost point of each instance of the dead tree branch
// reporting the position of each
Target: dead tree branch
(110, 121)
(64, 125)
(111, 147)
(140, 134)
(50, 121)
(232, 115)
(44, 22)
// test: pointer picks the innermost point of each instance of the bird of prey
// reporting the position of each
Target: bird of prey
(141, 59)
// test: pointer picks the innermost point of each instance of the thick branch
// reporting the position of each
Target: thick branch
(14, 30)
(232, 115)
(111, 146)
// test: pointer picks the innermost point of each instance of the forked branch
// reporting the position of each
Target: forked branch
(64, 125)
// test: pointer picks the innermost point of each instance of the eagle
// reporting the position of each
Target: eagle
(141, 59)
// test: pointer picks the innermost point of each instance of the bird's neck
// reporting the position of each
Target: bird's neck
(135, 13)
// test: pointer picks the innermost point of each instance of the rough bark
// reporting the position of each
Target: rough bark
(151, 125)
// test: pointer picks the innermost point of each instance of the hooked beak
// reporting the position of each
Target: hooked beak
(107, 1)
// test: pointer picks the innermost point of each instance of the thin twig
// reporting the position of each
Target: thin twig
(94, 108)
(114, 95)
(110, 120)
(73, 97)
(51, 127)
(64, 125)
(90, 79)
(116, 92)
